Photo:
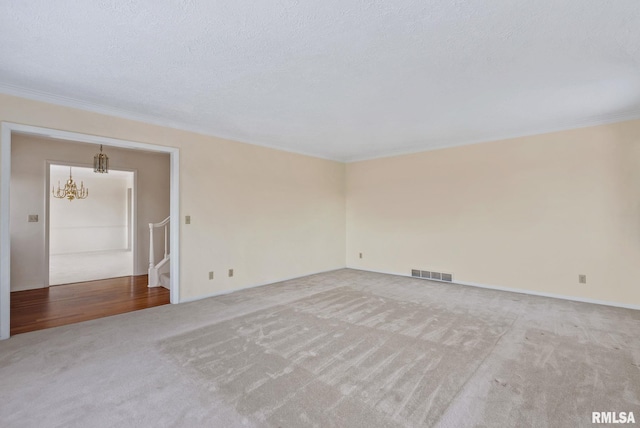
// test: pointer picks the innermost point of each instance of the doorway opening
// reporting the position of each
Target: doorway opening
(10, 131)
(91, 238)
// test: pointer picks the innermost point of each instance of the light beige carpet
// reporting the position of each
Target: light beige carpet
(345, 348)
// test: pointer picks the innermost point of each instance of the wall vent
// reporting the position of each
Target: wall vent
(427, 274)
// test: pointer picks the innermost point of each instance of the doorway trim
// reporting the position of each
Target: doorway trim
(6, 130)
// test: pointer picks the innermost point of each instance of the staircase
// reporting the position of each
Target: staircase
(165, 280)
(159, 274)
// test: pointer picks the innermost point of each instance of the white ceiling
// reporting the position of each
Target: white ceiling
(340, 79)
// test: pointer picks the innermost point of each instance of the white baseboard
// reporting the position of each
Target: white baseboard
(233, 290)
(552, 295)
(519, 290)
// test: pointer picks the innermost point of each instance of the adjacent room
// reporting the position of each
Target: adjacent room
(363, 214)
(92, 240)
(80, 244)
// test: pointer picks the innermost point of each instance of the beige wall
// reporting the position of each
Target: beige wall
(529, 213)
(29, 156)
(267, 214)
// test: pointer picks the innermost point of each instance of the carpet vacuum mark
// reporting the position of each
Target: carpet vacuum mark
(342, 357)
(554, 381)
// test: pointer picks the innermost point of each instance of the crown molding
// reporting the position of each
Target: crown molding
(46, 97)
(445, 144)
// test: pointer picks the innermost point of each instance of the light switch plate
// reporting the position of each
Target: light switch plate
(33, 218)
(187, 219)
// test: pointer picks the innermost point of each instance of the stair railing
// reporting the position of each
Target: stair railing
(154, 277)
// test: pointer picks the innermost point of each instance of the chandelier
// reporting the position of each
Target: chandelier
(70, 190)
(101, 162)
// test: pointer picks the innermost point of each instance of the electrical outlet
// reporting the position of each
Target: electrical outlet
(230, 272)
(360, 255)
(211, 275)
(187, 219)
(582, 279)
(33, 218)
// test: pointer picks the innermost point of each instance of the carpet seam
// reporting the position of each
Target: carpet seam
(472, 375)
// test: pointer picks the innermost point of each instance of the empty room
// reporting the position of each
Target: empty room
(362, 214)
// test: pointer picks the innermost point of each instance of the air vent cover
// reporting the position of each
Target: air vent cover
(427, 274)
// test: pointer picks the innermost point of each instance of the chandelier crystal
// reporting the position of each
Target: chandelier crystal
(101, 162)
(71, 190)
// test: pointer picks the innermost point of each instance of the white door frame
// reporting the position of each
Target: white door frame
(6, 130)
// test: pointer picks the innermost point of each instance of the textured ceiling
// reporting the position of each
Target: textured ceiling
(341, 79)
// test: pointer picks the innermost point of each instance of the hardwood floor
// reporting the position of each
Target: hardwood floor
(67, 304)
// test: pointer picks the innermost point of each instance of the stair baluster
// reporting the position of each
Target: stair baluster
(155, 268)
